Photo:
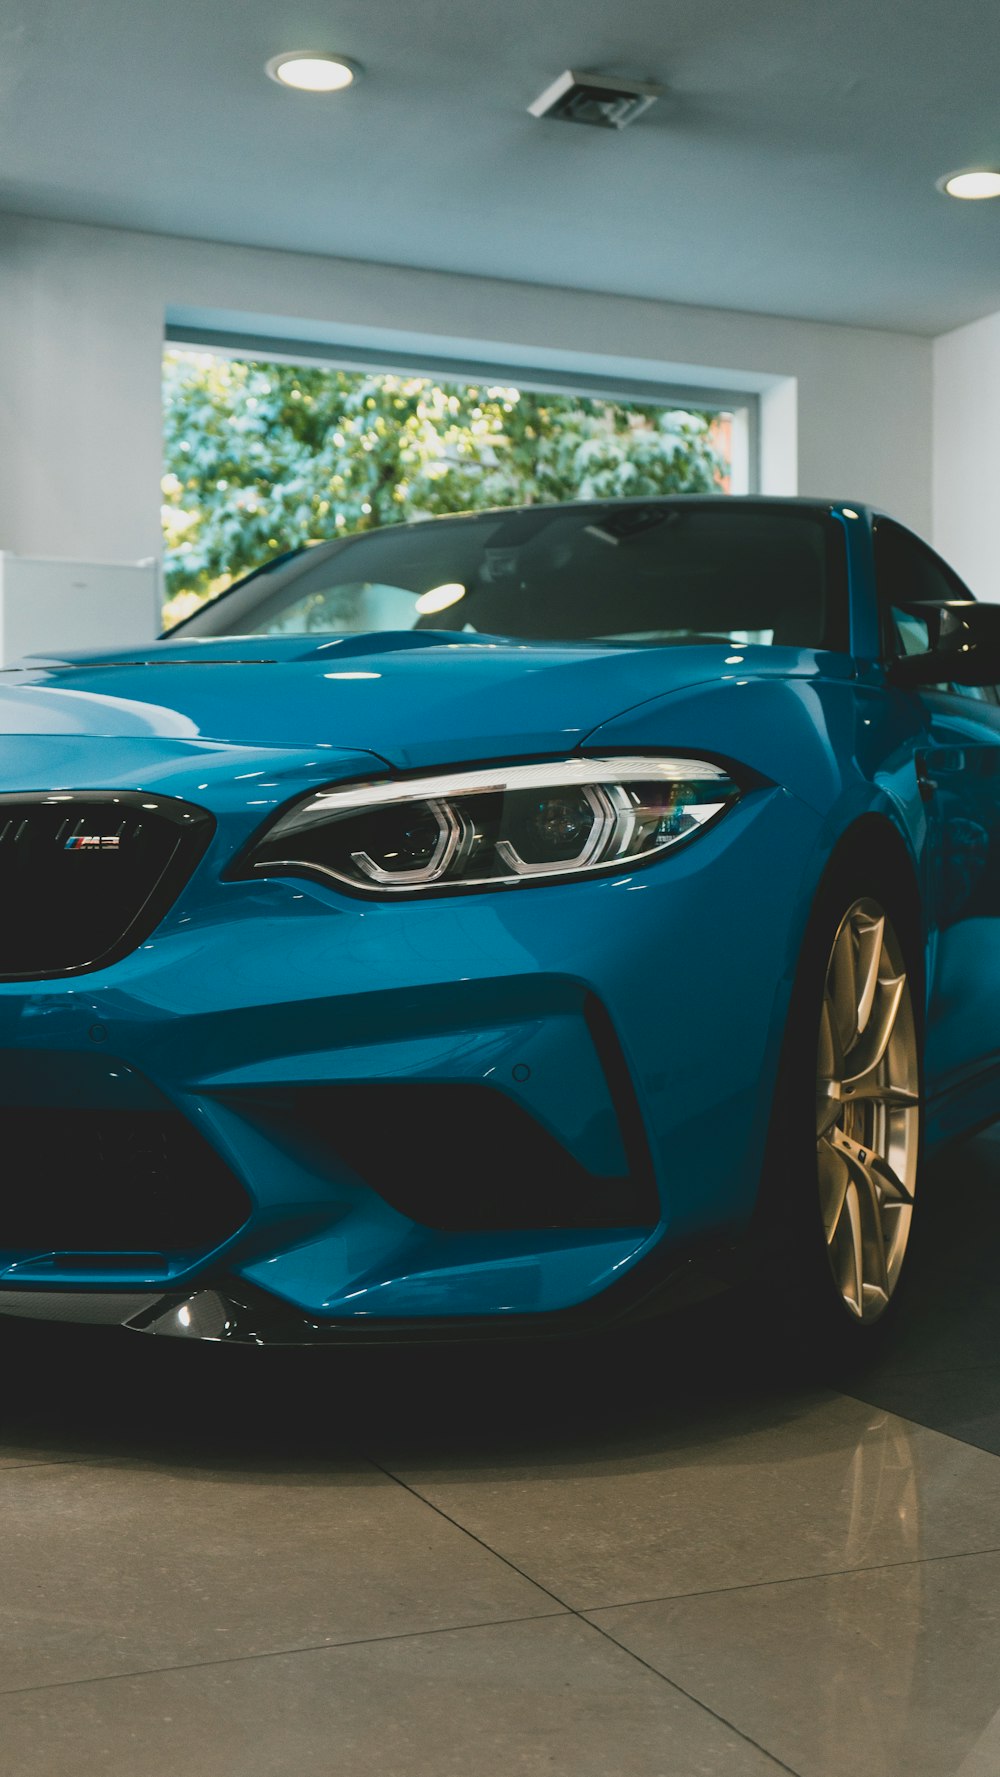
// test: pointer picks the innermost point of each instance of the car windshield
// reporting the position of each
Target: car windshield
(656, 572)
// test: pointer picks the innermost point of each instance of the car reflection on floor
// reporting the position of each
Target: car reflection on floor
(571, 1555)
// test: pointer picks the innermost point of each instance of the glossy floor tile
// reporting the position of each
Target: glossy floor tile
(114, 1568)
(543, 1699)
(885, 1672)
(827, 1484)
(663, 1554)
(943, 1366)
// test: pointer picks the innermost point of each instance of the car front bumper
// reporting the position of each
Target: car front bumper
(499, 1109)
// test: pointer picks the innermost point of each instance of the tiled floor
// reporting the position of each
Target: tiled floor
(657, 1556)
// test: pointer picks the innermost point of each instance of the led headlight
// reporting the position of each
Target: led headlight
(512, 824)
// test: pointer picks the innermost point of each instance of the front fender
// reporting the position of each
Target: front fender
(831, 743)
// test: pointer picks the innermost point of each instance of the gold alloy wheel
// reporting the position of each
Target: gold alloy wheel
(867, 1115)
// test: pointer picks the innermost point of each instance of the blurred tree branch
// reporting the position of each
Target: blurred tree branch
(263, 457)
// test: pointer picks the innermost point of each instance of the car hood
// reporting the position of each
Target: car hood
(413, 699)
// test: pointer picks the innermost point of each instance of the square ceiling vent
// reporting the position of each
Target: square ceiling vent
(604, 100)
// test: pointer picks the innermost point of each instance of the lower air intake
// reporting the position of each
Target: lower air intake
(464, 1158)
(106, 1182)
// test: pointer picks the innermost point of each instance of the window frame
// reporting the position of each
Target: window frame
(888, 636)
(743, 404)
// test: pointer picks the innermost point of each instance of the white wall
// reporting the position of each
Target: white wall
(80, 405)
(846, 411)
(967, 453)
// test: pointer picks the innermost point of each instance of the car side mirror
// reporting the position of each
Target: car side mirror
(963, 646)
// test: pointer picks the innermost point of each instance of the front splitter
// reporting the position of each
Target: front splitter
(236, 1313)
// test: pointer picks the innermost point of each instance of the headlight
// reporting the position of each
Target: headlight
(476, 829)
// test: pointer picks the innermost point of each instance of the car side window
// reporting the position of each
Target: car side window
(906, 570)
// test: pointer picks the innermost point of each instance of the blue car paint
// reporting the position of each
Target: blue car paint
(416, 705)
(247, 987)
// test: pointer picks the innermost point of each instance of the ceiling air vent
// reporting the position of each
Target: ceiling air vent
(601, 99)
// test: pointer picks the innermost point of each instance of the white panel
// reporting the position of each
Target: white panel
(49, 606)
(967, 453)
(779, 439)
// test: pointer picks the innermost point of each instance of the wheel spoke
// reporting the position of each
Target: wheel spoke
(834, 1178)
(829, 1068)
(828, 1108)
(873, 1168)
(871, 1049)
(832, 1095)
(843, 988)
(831, 1050)
(856, 1298)
(876, 1270)
(870, 936)
(875, 1091)
(891, 1186)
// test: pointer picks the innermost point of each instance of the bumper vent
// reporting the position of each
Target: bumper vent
(113, 1182)
(84, 878)
(465, 1159)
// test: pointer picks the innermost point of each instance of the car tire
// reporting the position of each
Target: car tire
(841, 1173)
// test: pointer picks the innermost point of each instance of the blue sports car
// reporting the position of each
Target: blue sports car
(502, 923)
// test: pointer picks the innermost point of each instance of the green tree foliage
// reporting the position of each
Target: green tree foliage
(262, 457)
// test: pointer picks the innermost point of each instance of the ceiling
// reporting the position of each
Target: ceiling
(791, 171)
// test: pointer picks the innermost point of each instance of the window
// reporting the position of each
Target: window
(908, 572)
(263, 456)
(700, 570)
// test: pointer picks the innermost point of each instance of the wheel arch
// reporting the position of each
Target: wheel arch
(874, 844)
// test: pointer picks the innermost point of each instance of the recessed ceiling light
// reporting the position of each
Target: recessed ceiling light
(311, 71)
(974, 182)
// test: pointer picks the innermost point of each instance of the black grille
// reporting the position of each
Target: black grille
(112, 1181)
(463, 1158)
(85, 877)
